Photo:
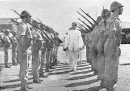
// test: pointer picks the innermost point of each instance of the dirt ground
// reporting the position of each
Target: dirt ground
(62, 79)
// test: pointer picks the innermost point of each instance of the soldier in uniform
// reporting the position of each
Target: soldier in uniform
(44, 52)
(37, 44)
(112, 46)
(100, 45)
(6, 47)
(24, 42)
(93, 48)
(14, 46)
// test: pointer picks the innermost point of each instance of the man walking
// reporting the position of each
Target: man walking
(74, 45)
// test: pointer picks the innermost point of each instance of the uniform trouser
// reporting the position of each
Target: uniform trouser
(51, 57)
(23, 74)
(101, 66)
(111, 70)
(73, 58)
(48, 59)
(6, 56)
(94, 57)
(13, 55)
(43, 59)
(35, 64)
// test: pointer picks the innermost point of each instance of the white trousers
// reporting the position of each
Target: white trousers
(73, 58)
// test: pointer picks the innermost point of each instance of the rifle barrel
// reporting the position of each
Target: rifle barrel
(86, 19)
(86, 24)
(88, 16)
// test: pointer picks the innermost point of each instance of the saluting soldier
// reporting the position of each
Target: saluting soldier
(37, 44)
(112, 46)
(24, 42)
(6, 47)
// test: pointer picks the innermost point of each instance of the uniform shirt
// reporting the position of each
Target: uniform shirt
(75, 40)
(114, 26)
(36, 33)
(24, 29)
(6, 41)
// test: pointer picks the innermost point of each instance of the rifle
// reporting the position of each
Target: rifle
(39, 20)
(83, 27)
(86, 19)
(89, 16)
(19, 14)
(86, 24)
(15, 22)
(104, 17)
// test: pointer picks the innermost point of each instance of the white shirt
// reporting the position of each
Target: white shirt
(74, 40)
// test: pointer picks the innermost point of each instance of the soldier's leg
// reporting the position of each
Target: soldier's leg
(23, 74)
(42, 62)
(94, 55)
(6, 58)
(51, 58)
(13, 56)
(47, 60)
(35, 65)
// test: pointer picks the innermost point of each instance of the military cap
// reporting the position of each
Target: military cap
(99, 18)
(47, 28)
(115, 5)
(6, 32)
(105, 12)
(25, 14)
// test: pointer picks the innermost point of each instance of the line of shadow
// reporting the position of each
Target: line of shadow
(81, 77)
(12, 86)
(96, 88)
(83, 68)
(82, 83)
(125, 64)
(61, 72)
(81, 72)
(15, 80)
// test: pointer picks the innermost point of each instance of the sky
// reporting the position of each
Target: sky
(59, 14)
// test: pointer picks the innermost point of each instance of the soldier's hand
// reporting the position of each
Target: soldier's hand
(64, 49)
(67, 48)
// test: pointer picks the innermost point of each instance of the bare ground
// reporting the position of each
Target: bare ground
(62, 79)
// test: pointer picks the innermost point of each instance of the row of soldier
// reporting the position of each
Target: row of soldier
(103, 44)
(43, 42)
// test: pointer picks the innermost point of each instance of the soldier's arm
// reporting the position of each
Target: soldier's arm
(118, 31)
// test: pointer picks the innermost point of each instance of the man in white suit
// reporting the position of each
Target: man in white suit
(74, 45)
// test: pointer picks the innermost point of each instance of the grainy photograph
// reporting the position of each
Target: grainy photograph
(64, 45)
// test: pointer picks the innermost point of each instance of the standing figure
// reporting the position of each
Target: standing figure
(112, 46)
(93, 48)
(100, 45)
(74, 45)
(36, 46)
(24, 42)
(6, 46)
(14, 46)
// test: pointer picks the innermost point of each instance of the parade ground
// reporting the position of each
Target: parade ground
(61, 78)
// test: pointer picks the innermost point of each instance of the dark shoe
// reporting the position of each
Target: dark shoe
(7, 66)
(24, 89)
(36, 81)
(29, 87)
(51, 67)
